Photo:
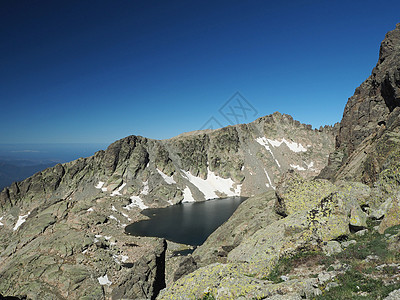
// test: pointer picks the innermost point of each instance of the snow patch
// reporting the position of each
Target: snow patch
(293, 146)
(168, 179)
(126, 216)
(117, 192)
(310, 166)
(114, 209)
(213, 184)
(100, 185)
(90, 209)
(120, 258)
(145, 190)
(269, 180)
(297, 167)
(21, 220)
(1, 224)
(136, 202)
(103, 280)
(238, 189)
(264, 142)
(113, 218)
(187, 196)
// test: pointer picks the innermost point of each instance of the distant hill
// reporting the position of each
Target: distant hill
(17, 170)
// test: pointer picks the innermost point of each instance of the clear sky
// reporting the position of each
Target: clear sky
(96, 71)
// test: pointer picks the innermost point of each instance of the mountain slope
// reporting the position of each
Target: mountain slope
(67, 222)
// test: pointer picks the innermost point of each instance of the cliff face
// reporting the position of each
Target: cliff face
(374, 102)
(62, 230)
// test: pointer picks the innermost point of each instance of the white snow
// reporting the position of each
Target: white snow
(297, 167)
(90, 209)
(107, 237)
(269, 180)
(238, 189)
(1, 224)
(145, 190)
(264, 142)
(115, 257)
(114, 209)
(103, 280)
(84, 251)
(168, 179)
(187, 195)
(113, 218)
(136, 201)
(120, 258)
(126, 216)
(100, 185)
(21, 220)
(310, 166)
(213, 184)
(117, 192)
(295, 147)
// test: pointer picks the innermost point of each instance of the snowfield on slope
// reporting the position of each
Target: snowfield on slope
(213, 184)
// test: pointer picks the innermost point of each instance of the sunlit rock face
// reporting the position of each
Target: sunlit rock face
(372, 109)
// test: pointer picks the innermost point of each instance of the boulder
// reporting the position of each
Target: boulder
(294, 193)
(358, 218)
(392, 217)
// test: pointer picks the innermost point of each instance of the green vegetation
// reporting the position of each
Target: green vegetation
(371, 267)
(287, 264)
(365, 279)
(355, 285)
(208, 296)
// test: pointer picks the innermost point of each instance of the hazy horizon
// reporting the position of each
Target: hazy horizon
(75, 72)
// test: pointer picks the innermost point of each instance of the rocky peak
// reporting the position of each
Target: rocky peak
(390, 45)
(371, 105)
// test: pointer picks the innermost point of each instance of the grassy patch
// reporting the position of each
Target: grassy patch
(364, 280)
(208, 296)
(369, 244)
(355, 285)
(287, 264)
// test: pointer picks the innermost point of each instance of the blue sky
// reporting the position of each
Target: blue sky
(97, 71)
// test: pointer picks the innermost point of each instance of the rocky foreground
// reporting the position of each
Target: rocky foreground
(332, 237)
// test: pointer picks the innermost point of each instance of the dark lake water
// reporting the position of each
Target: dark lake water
(186, 223)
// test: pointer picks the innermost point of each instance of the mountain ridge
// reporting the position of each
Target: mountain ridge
(66, 223)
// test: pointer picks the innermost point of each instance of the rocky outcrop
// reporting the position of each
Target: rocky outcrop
(237, 259)
(371, 107)
(70, 249)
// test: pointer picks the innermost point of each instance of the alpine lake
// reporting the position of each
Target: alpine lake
(186, 223)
